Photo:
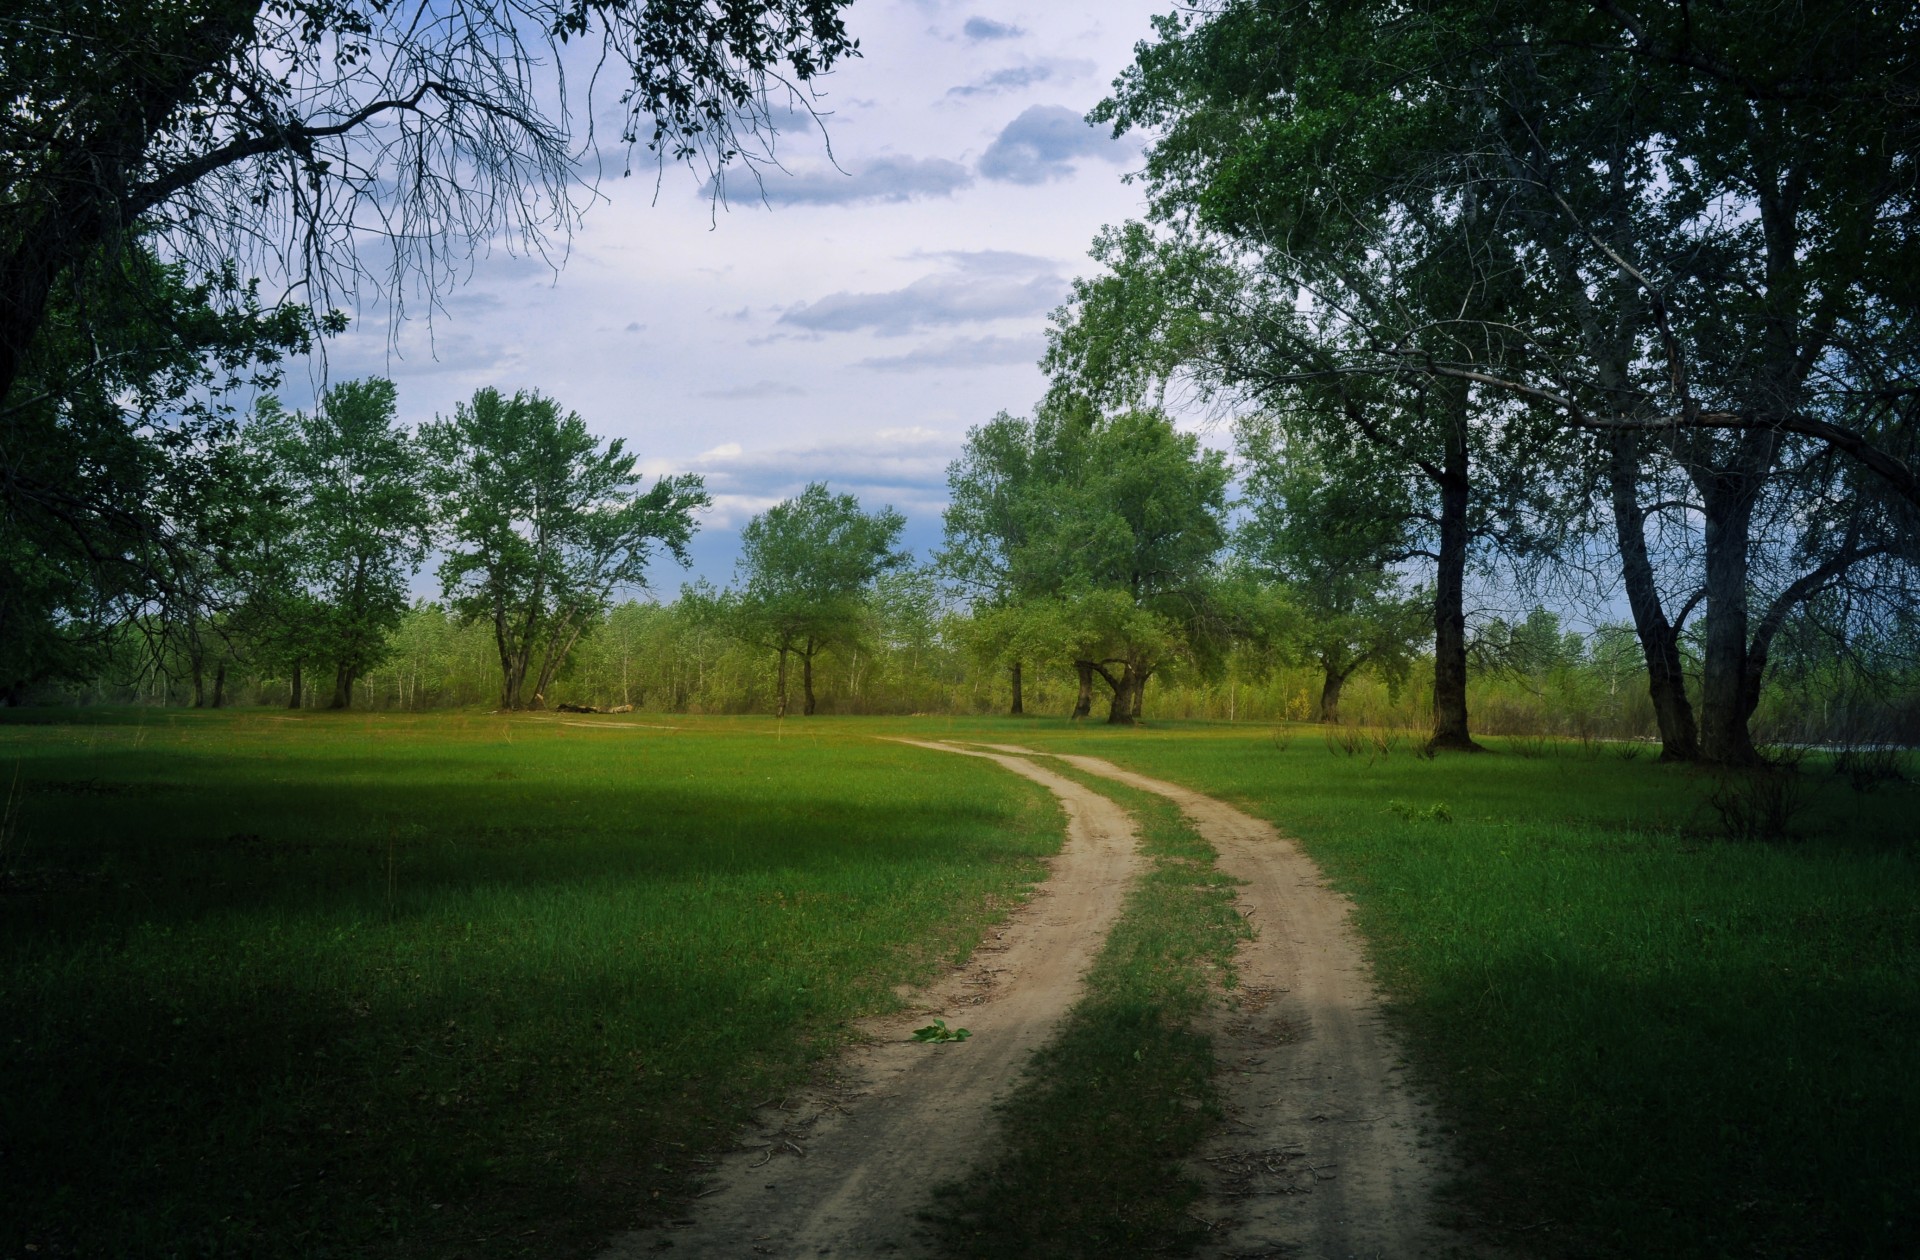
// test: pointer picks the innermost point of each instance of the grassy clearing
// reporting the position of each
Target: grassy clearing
(1652, 1041)
(1090, 1159)
(386, 986)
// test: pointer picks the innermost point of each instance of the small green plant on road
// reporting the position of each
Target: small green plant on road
(939, 1034)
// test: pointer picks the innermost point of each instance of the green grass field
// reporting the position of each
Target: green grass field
(1650, 1041)
(446, 986)
(461, 985)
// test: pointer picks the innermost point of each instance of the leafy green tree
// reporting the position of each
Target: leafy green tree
(350, 485)
(1711, 207)
(542, 523)
(113, 420)
(1324, 529)
(807, 571)
(996, 504)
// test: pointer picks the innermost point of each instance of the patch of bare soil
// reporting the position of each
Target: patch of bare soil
(1326, 1149)
(847, 1168)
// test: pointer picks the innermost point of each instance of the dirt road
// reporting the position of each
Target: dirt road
(845, 1171)
(1323, 1153)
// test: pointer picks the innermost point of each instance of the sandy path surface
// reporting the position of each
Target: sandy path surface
(846, 1169)
(1324, 1152)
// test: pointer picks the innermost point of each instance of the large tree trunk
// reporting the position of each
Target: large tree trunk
(1019, 707)
(1140, 692)
(1330, 687)
(780, 699)
(294, 703)
(1083, 703)
(342, 687)
(1450, 584)
(1727, 496)
(1123, 704)
(1659, 638)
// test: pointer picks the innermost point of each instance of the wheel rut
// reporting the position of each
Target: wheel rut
(1325, 1152)
(845, 1169)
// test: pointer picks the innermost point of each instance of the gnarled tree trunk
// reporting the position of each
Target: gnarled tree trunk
(1083, 703)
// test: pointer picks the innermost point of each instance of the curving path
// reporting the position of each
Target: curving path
(846, 1169)
(1323, 1153)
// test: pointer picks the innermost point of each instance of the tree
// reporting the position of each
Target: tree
(1329, 529)
(360, 517)
(1690, 235)
(807, 570)
(284, 135)
(992, 512)
(114, 420)
(1094, 538)
(542, 523)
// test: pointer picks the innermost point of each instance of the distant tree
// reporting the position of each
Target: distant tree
(993, 511)
(807, 571)
(1330, 531)
(542, 523)
(1136, 533)
(348, 481)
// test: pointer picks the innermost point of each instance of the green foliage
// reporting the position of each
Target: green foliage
(542, 523)
(808, 568)
(939, 1034)
(341, 521)
(112, 435)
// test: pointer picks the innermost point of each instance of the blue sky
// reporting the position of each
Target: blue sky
(846, 318)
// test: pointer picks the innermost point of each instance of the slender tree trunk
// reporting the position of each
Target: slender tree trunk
(1724, 738)
(1659, 638)
(806, 680)
(220, 685)
(294, 703)
(198, 669)
(1019, 706)
(1083, 703)
(1449, 602)
(1140, 692)
(780, 700)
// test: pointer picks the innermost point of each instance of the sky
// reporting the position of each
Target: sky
(846, 320)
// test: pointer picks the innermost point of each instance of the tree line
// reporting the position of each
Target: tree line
(1618, 296)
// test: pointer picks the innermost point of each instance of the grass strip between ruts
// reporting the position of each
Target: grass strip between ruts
(1090, 1154)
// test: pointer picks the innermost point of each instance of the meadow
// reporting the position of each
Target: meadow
(448, 985)
(476, 985)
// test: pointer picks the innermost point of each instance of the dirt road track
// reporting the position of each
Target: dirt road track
(1323, 1153)
(905, 1116)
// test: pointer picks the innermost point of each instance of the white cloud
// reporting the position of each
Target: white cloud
(1044, 143)
(985, 285)
(885, 179)
(980, 28)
